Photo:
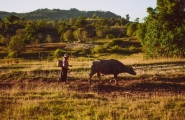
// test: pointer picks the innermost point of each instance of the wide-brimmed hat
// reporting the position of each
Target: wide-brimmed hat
(66, 55)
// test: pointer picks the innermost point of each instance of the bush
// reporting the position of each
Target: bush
(131, 48)
(116, 48)
(12, 55)
(58, 53)
(110, 36)
(99, 49)
(16, 45)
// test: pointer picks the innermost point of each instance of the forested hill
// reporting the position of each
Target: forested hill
(55, 14)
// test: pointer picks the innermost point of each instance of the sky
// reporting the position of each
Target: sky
(135, 8)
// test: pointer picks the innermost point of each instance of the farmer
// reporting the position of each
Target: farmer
(64, 68)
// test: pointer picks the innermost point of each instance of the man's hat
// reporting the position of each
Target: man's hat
(66, 55)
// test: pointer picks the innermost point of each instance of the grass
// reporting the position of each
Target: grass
(53, 102)
(44, 98)
(29, 89)
(81, 66)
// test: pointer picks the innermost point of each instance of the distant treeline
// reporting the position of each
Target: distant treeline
(16, 31)
(162, 34)
(81, 28)
(56, 14)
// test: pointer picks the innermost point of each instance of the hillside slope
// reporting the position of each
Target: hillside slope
(55, 14)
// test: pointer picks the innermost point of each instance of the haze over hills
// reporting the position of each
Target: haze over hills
(56, 14)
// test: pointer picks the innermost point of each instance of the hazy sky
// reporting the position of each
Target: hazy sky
(135, 8)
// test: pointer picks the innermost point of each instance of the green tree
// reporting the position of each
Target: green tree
(163, 32)
(30, 27)
(80, 34)
(137, 20)
(41, 24)
(58, 53)
(72, 21)
(131, 29)
(102, 27)
(3, 40)
(68, 36)
(63, 27)
(77, 34)
(127, 17)
(100, 33)
(81, 22)
(12, 19)
(84, 35)
(16, 46)
(49, 39)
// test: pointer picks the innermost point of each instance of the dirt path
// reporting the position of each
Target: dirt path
(160, 86)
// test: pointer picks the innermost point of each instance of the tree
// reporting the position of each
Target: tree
(77, 34)
(16, 46)
(49, 39)
(100, 33)
(2, 40)
(131, 29)
(68, 36)
(12, 19)
(58, 53)
(72, 21)
(163, 32)
(62, 28)
(127, 17)
(84, 35)
(41, 24)
(137, 20)
(81, 22)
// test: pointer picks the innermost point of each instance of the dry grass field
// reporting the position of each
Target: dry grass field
(29, 88)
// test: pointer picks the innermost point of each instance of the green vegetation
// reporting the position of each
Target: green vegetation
(29, 90)
(56, 14)
(16, 46)
(163, 33)
(30, 48)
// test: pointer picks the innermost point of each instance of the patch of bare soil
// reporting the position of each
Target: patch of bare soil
(80, 46)
(126, 87)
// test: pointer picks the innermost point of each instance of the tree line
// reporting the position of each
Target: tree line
(162, 34)
(56, 14)
(16, 31)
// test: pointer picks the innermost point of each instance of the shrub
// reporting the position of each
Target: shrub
(110, 36)
(58, 53)
(99, 49)
(116, 48)
(12, 55)
(131, 48)
(16, 45)
(2, 40)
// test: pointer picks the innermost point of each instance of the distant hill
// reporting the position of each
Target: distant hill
(56, 14)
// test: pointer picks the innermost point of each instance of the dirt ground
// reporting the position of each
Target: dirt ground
(160, 86)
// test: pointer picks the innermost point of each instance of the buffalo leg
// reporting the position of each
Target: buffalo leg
(90, 75)
(98, 74)
(116, 78)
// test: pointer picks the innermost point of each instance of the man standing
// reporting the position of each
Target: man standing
(65, 65)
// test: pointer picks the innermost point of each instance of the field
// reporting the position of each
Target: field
(29, 90)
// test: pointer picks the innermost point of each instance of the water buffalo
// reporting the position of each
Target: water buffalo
(109, 67)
